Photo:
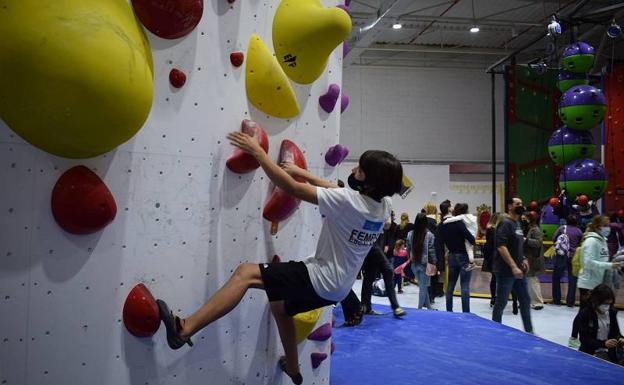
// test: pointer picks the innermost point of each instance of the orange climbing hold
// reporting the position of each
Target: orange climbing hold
(81, 202)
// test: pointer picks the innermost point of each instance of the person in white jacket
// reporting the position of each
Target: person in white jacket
(595, 255)
(594, 264)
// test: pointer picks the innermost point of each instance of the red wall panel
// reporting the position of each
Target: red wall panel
(614, 139)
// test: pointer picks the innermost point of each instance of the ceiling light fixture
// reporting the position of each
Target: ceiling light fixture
(554, 28)
(614, 30)
(397, 25)
(475, 27)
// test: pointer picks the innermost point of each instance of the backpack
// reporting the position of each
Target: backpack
(562, 244)
(577, 261)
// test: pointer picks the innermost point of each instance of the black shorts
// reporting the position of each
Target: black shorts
(290, 282)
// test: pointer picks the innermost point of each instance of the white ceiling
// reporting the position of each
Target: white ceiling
(436, 33)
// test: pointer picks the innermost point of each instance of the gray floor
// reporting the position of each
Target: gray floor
(552, 323)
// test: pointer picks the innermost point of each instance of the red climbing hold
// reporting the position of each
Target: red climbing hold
(582, 200)
(177, 78)
(554, 201)
(237, 58)
(533, 206)
(240, 162)
(140, 312)
(276, 259)
(281, 205)
(81, 202)
(169, 19)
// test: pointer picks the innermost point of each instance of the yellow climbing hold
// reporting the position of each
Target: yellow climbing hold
(76, 76)
(267, 86)
(305, 33)
(305, 322)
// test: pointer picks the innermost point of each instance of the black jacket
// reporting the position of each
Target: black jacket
(588, 330)
(453, 235)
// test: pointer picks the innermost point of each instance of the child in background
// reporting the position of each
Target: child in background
(399, 257)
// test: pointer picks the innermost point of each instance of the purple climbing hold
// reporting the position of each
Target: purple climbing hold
(328, 101)
(345, 48)
(336, 154)
(332, 348)
(317, 358)
(322, 333)
(347, 2)
(344, 102)
(344, 8)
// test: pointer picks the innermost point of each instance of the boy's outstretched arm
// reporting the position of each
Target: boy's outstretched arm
(296, 171)
(278, 176)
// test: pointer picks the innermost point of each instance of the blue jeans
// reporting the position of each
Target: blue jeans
(504, 285)
(423, 284)
(563, 264)
(456, 262)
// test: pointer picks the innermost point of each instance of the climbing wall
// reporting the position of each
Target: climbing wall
(183, 224)
(614, 134)
(531, 101)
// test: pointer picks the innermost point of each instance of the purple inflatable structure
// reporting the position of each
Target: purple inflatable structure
(322, 333)
(329, 99)
(578, 48)
(317, 358)
(582, 95)
(336, 154)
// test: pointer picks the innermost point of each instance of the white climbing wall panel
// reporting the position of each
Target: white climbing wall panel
(184, 223)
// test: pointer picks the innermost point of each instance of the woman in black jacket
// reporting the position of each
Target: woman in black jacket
(599, 331)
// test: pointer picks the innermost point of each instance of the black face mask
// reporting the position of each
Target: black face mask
(355, 184)
(519, 210)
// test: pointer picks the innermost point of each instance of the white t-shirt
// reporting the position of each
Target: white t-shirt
(351, 226)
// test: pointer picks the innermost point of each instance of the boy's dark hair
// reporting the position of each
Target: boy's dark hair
(460, 208)
(384, 174)
(599, 295)
(571, 220)
(444, 207)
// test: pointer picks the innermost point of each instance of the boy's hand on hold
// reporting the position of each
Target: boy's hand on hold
(245, 142)
(293, 170)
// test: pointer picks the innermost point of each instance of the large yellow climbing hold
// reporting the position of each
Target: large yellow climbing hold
(267, 86)
(76, 77)
(305, 322)
(304, 35)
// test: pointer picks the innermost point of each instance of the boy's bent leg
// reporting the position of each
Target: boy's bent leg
(246, 275)
(288, 336)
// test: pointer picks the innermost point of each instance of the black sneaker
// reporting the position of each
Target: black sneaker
(172, 324)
